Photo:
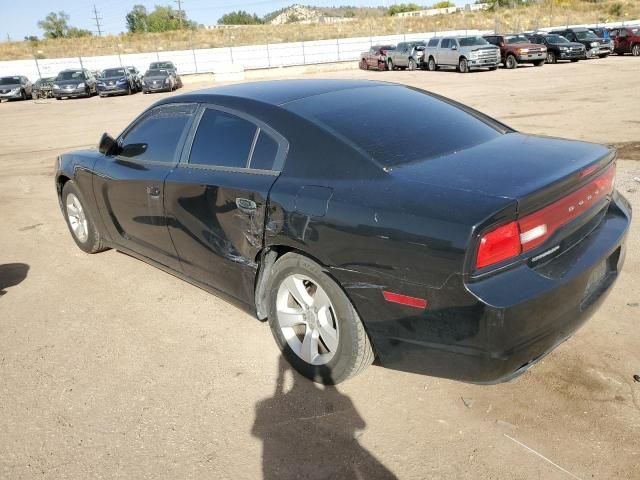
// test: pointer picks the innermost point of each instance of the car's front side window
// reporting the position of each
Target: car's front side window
(157, 135)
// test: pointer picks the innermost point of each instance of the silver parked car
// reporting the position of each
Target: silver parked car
(407, 55)
(462, 52)
(15, 88)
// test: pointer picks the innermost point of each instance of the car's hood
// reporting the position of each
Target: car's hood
(155, 78)
(526, 45)
(565, 44)
(112, 79)
(513, 165)
(9, 87)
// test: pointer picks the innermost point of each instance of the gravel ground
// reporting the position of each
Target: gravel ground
(110, 368)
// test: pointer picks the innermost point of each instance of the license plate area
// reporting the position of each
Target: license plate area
(600, 279)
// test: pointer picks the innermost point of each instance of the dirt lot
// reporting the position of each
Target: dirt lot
(110, 368)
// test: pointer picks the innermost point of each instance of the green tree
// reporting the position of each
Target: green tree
(444, 4)
(137, 19)
(162, 19)
(403, 7)
(239, 18)
(55, 25)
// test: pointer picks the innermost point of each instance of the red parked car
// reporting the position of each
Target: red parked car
(516, 49)
(626, 40)
(375, 57)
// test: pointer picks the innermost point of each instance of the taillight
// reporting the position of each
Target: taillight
(531, 231)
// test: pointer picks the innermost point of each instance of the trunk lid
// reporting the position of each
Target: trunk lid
(532, 170)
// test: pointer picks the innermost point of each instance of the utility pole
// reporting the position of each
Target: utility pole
(8, 38)
(179, 2)
(97, 20)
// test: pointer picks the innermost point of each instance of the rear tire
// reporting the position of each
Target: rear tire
(312, 318)
(81, 225)
(574, 60)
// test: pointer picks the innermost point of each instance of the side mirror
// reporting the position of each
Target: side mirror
(107, 145)
(501, 44)
(454, 47)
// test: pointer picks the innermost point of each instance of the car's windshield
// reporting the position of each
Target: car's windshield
(156, 73)
(157, 65)
(71, 75)
(410, 125)
(472, 41)
(556, 39)
(586, 35)
(511, 39)
(9, 80)
(114, 72)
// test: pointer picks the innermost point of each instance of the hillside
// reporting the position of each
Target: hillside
(524, 18)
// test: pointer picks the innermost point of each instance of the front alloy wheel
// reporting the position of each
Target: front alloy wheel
(431, 65)
(551, 57)
(635, 51)
(511, 62)
(83, 229)
(313, 322)
(463, 66)
(412, 64)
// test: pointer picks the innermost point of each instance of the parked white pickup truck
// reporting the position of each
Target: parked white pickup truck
(407, 55)
(462, 53)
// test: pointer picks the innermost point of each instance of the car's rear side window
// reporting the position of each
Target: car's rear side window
(222, 140)
(264, 152)
(395, 124)
(157, 135)
(434, 42)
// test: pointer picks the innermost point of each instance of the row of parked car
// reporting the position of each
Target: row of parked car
(465, 53)
(73, 83)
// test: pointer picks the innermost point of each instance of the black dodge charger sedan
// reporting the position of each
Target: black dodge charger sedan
(416, 230)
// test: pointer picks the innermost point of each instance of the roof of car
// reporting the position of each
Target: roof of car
(278, 92)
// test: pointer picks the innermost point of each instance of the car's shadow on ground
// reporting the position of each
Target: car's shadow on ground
(310, 431)
(11, 274)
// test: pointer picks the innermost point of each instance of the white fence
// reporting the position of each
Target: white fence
(249, 57)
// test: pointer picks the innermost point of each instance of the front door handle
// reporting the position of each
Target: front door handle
(245, 204)
(153, 192)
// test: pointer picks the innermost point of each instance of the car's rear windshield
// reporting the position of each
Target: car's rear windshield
(556, 39)
(9, 80)
(71, 75)
(395, 125)
(511, 39)
(114, 72)
(472, 41)
(156, 73)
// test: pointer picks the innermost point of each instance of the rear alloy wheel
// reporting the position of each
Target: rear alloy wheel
(431, 65)
(412, 65)
(314, 323)
(81, 225)
(551, 57)
(511, 62)
(635, 51)
(463, 66)
(390, 66)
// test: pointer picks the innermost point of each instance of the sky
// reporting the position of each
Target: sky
(20, 18)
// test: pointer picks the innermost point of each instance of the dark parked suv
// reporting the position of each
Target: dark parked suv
(596, 47)
(516, 49)
(558, 47)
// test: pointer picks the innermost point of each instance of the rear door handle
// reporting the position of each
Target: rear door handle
(153, 192)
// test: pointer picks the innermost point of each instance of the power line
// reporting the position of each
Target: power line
(97, 20)
(179, 2)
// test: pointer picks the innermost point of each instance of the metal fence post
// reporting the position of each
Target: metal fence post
(195, 62)
(81, 65)
(338, 47)
(268, 55)
(304, 55)
(35, 59)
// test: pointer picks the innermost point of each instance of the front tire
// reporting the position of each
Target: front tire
(412, 65)
(463, 65)
(511, 62)
(364, 65)
(635, 51)
(390, 66)
(538, 63)
(81, 225)
(431, 65)
(314, 323)
(551, 57)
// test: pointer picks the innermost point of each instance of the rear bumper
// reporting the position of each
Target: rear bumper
(493, 329)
